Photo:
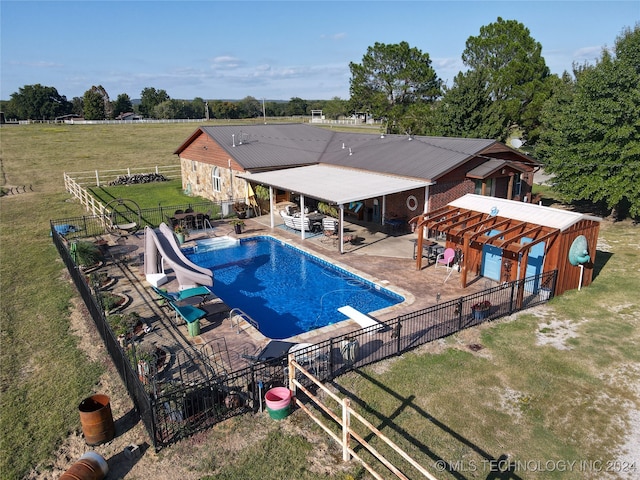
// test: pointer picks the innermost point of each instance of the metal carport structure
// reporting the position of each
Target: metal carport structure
(334, 185)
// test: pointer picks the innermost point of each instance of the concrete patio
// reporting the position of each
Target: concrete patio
(375, 255)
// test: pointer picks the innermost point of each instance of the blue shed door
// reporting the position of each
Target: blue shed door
(491, 260)
(535, 262)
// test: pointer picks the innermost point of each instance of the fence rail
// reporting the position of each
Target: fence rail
(199, 395)
(344, 422)
(97, 178)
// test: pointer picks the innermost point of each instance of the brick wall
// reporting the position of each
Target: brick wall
(441, 194)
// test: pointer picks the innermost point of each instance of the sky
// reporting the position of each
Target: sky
(269, 50)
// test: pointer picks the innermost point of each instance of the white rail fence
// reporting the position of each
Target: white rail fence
(95, 207)
(344, 422)
(95, 178)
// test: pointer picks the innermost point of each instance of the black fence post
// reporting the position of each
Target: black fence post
(459, 308)
(513, 289)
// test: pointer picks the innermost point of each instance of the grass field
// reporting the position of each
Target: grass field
(556, 384)
(43, 375)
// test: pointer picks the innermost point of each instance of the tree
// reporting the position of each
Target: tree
(149, 98)
(335, 108)
(390, 79)
(77, 106)
(220, 109)
(38, 102)
(249, 107)
(96, 104)
(466, 109)
(297, 106)
(590, 138)
(93, 106)
(196, 108)
(122, 105)
(516, 74)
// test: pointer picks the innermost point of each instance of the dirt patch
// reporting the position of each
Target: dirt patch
(512, 402)
(628, 376)
(555, 333)
(129, 429)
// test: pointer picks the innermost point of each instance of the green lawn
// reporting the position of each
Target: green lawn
(44, 376)
(516, 396)
(519, 397)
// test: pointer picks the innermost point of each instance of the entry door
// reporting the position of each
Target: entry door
(535, 262)
(491, 260)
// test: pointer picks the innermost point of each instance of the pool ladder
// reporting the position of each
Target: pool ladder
(237, 314)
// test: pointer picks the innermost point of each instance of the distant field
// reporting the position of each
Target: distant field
(43, 374)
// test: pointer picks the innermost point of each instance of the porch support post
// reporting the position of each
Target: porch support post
(384, 208)
(426, 199)
(510, 187)
(272, 207)
(302, 216)
(341, 236)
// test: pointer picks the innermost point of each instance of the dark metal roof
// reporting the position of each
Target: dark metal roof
(267, 146)
(270, 147)
(421, 157)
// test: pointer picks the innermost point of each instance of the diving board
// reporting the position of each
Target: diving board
(362, 319)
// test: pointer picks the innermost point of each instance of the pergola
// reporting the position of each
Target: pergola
(334, 185)
(512, 229)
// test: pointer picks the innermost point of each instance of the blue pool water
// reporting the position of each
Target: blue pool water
(286, 290)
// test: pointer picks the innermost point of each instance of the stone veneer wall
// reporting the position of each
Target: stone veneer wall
(200, 180)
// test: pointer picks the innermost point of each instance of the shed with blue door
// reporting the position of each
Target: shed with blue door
(505, 240)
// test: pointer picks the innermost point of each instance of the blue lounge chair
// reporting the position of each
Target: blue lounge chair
(183, 295)
(188, 313)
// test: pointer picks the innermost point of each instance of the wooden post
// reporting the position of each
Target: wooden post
(292, 374)
(346, 425)
(419, 247)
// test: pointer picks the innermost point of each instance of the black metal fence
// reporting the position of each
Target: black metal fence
(94, 225)
(371, 344)
(194, 391)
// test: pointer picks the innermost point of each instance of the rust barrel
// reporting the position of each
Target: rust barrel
(91, 466)
(96, 419)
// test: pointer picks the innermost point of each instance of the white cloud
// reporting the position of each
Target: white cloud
(37, 64)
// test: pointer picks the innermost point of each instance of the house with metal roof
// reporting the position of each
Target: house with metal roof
(475, 193)
(354, 171)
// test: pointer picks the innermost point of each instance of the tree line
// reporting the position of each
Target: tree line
(38, 102)
(584, 126)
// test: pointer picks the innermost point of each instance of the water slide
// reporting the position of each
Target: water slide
(163, 247)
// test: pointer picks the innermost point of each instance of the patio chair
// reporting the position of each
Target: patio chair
(199, 221)
(446, 258)
(299, 225)
(189, 221)
(183, 296)
(188, 313)
(330, 228)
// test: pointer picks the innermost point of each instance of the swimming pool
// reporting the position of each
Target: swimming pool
(287, 291)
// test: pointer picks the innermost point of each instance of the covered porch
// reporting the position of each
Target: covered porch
(339, 187)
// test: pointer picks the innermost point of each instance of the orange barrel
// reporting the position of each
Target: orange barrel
(96, 419)
(91, 466)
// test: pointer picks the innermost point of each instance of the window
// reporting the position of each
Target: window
(194, 166)
(517, 185)
(489, 189)
(216, 181)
